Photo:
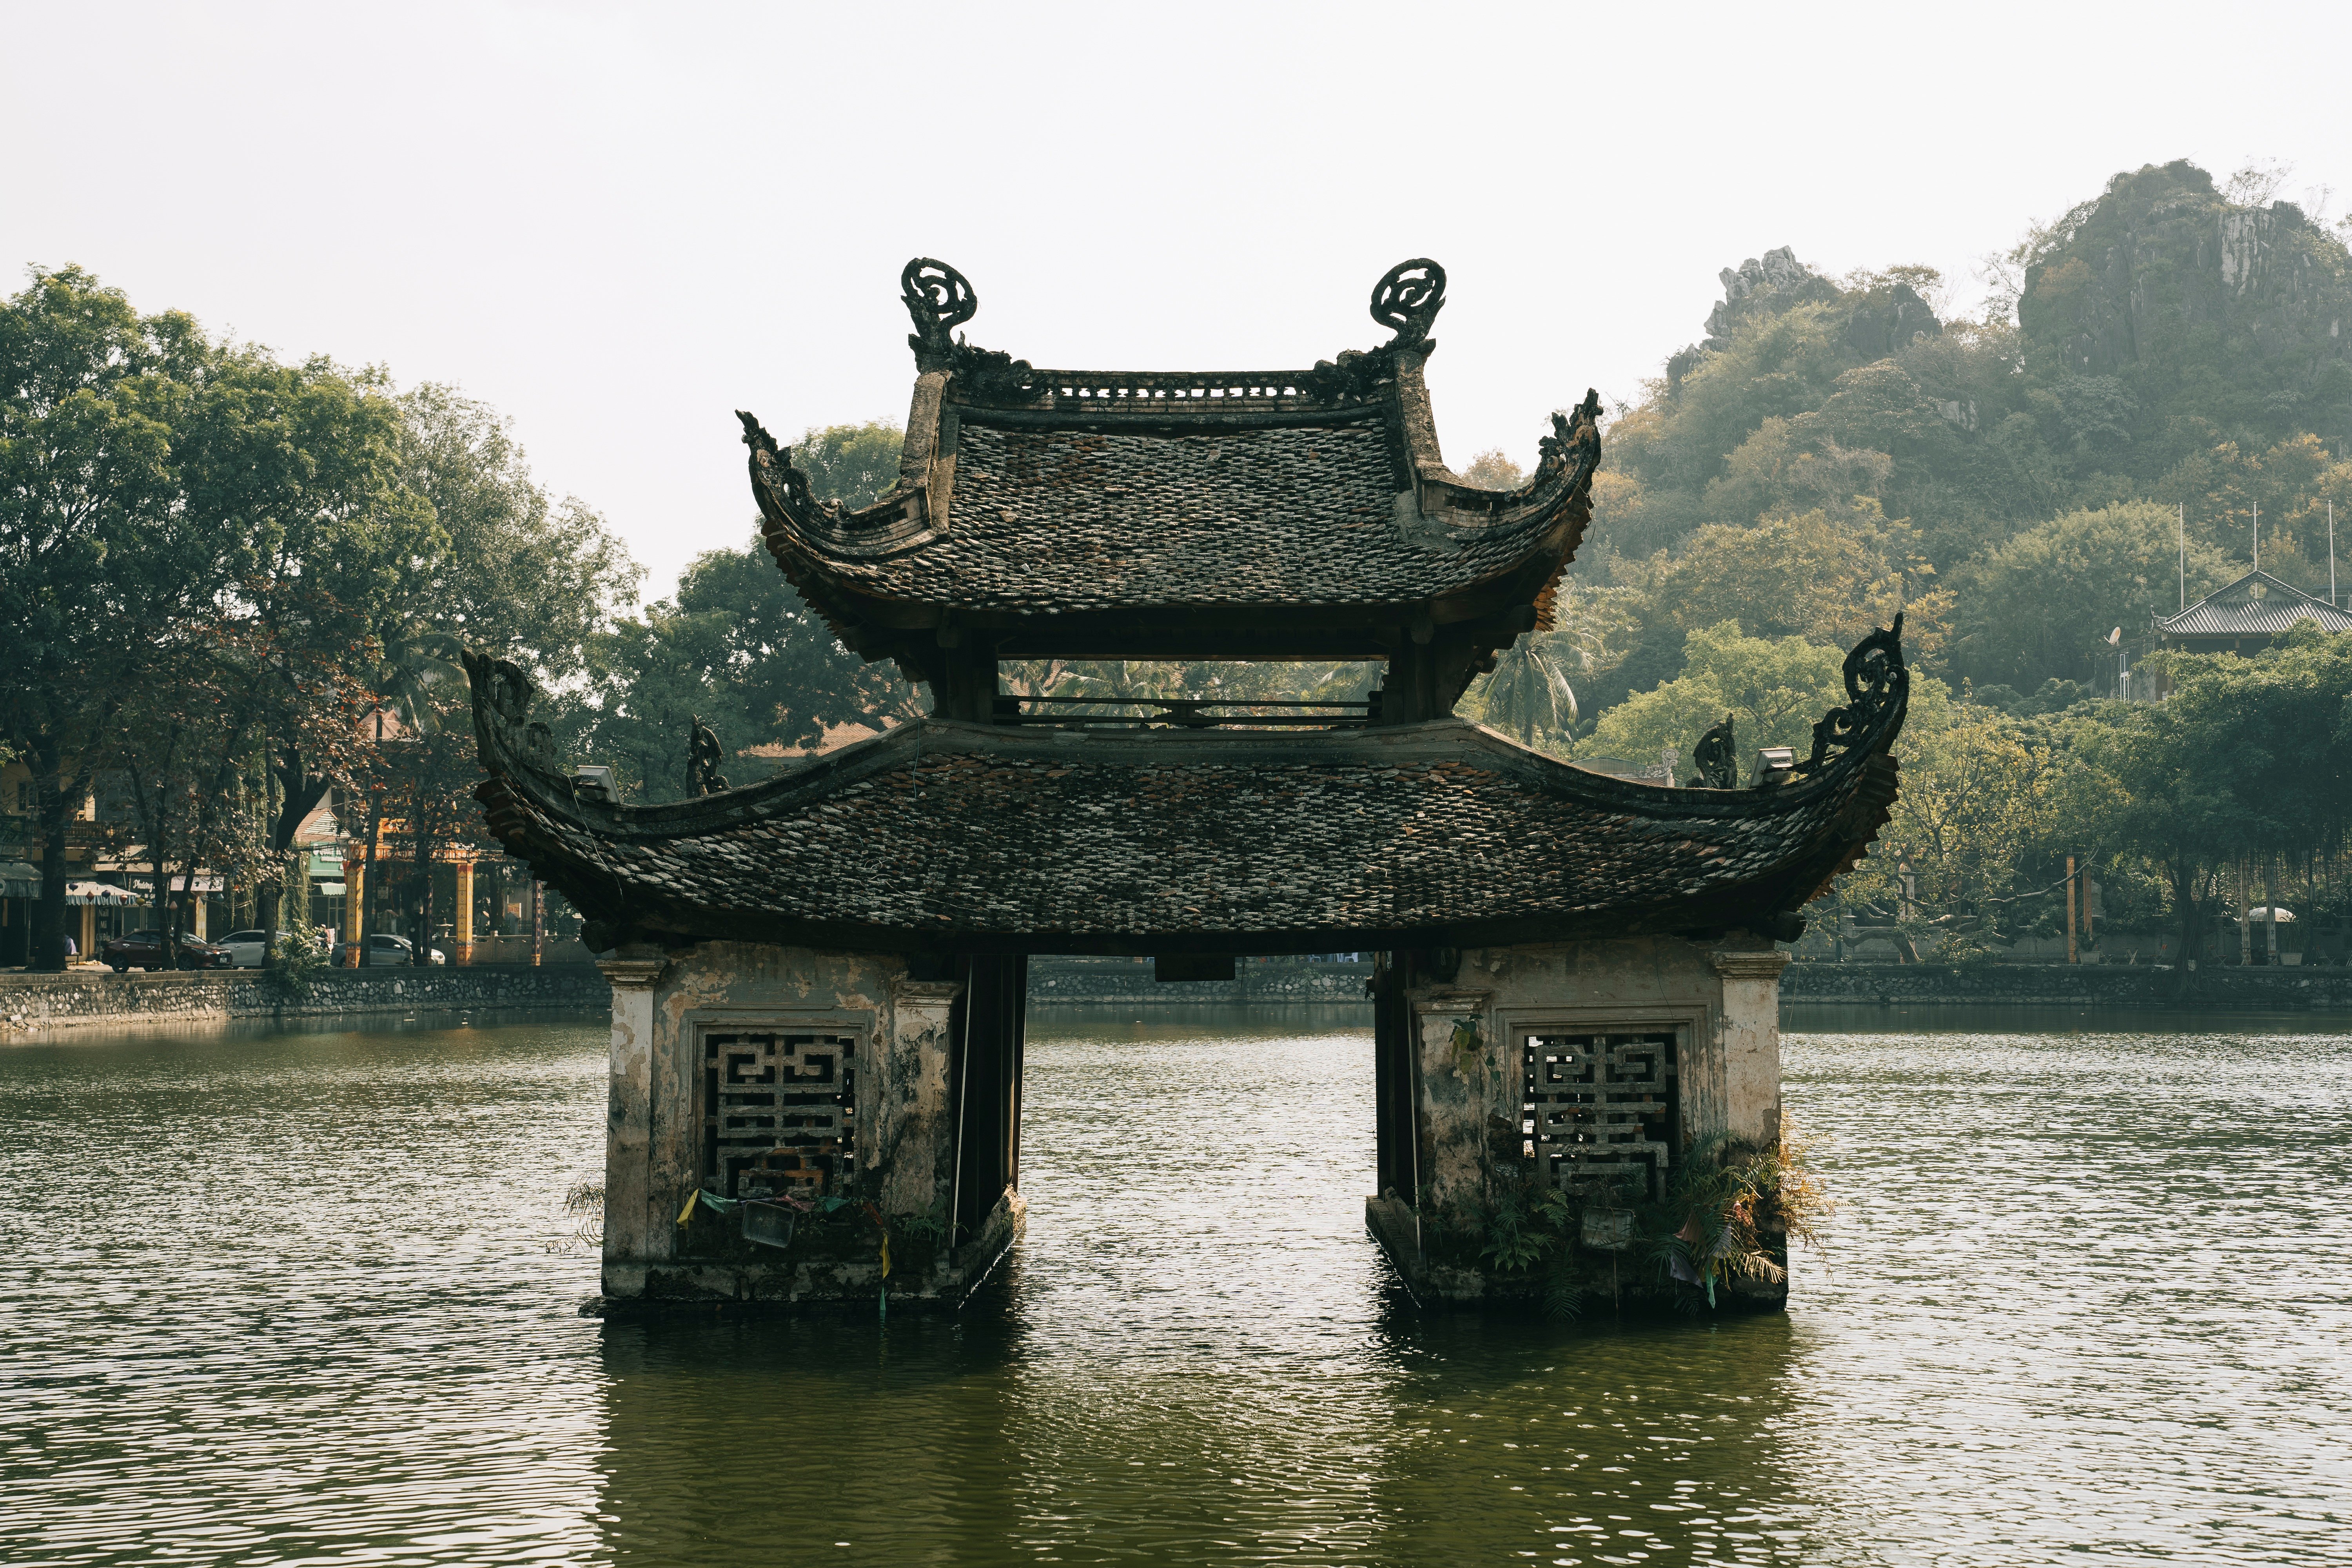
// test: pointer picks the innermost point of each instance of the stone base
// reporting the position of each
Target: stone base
(1444, 1270)
(837, 1263)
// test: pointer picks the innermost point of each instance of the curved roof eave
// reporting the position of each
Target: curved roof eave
(960, 837)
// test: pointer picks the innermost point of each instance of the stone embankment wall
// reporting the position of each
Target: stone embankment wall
(1106, 981)
(2263, 989)
(54, 1001)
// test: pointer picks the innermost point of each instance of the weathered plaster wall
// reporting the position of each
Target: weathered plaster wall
(1720, 998)
(44, 1001)
(665, 1005)
(1724, 997)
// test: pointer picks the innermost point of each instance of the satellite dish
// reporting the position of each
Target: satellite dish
(2115, 637)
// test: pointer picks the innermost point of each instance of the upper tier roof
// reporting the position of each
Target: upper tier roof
(1124, 505)
(945, 835)
(2256, 606)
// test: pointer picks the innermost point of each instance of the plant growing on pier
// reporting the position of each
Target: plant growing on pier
(1728, 1201)
(1525, 1223)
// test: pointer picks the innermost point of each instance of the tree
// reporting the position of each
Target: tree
(515, 572)
(298, 466)
(1527, 694)
(2246, 756)
(1829, 577)
(88, 391)
(1774, 688)
(853, 464)
(2034, 607)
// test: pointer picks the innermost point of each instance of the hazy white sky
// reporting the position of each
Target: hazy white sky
(619, 223)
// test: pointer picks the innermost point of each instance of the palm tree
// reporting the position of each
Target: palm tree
(418, 673)
(1527, 695)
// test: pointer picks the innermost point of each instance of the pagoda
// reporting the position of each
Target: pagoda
(819, 980)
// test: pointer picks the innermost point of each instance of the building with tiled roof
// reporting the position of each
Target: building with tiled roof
(819, 980)
(2247, 615)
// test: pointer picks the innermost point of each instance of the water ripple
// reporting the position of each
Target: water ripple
(306, 1299)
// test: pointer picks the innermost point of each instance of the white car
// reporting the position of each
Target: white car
(246, 947)
(386, 950)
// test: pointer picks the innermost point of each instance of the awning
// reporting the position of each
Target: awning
(19, 879)
(205, 882)
(330, 890)
(104, 894)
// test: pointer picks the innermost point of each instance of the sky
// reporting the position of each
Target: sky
(618, 224)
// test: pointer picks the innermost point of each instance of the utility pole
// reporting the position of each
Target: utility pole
(2331, 552)
(2070, 909)
(2258, 536)
(2184, 555)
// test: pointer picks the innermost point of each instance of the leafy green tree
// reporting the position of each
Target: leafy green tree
(1827, 577)
(736, 648)
(88, 533)
(1774, 688)
(853, 464)
(297, 466)
(2036, 606)
(2245, 757)
(516, 572)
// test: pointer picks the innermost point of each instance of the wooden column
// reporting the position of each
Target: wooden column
(988, 1025)
(465, 933)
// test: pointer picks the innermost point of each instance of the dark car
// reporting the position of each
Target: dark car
(144, 950)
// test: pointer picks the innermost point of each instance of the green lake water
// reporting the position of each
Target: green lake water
(312, 1298)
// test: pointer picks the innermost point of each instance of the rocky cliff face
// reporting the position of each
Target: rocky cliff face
(1879, 320)
(2197, 309)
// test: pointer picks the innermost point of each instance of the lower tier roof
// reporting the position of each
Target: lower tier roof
(951, 837)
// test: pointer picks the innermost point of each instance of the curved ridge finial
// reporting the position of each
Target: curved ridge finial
(1408, 298)
(939, 298)
(1877, 688)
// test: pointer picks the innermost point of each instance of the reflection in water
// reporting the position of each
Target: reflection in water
(293, 1298)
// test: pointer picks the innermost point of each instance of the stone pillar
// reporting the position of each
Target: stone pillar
(634, 1231)
(913, 1114)
(538, 920)
(464, 936)
(1461, 1089)
(88, 940)
(200, 900)
(1748, 1044)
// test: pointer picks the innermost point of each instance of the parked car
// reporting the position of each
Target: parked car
(144, 950)
(395, 949)
(246, 947)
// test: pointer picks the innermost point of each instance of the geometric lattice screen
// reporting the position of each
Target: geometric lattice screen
(779, 1113)
(1601, 1109)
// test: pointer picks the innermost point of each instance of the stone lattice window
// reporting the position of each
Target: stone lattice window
(1599, 1110)
(779, 1113)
